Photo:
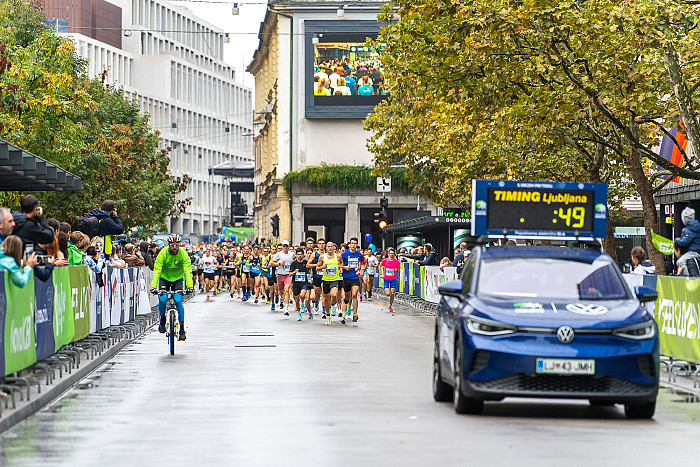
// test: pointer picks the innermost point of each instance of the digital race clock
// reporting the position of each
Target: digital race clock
(558, 210)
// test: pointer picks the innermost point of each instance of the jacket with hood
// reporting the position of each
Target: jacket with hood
(690, 236)
(18, 275)
(108, 226)
(75, 256)
(32, 230)
(644, 268)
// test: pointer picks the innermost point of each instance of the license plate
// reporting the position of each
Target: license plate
(563, 366)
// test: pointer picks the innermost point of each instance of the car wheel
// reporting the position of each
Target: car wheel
(640, 411)
(462, 403)
(601, 403)
(442, 392)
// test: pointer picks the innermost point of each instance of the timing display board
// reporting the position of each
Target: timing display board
(558, 210)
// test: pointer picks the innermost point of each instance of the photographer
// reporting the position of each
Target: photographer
(131, 258)
(110, 224)
(30, 225)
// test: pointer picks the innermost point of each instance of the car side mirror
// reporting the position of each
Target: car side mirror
(645, 294)
(451, 289)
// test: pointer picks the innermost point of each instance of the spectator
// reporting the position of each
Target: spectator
(55, 224)
(686, 262)
(65, 227)
(641, 265)
(77, 242)
(110, 224)
(690, 235)
(146, 254)
(461, 257)
(430, 256)
(54, 253)
(131, 258)
(342, 88)
(63, 243)
(351, 83)
(334, 78)
(30, 224)
(114, 260)
(7, 223)
(11, 255)
(445, 262)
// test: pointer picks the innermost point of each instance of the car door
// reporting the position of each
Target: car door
(454, 312)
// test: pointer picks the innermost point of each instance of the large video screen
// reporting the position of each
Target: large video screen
(347, 73)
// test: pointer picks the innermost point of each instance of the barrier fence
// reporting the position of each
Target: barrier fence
(40, 318)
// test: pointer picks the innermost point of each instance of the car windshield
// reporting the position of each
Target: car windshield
(552, 278)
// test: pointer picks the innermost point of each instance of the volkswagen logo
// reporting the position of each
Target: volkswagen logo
(565, 334)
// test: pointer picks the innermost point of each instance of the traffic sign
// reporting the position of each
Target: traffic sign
(383, 185)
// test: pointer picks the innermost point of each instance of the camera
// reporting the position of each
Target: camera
(123, 239)
(42, 259)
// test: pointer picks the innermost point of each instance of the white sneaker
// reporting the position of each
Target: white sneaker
(328, 320)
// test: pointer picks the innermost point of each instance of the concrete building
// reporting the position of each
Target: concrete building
(297, 128)
(171, 62)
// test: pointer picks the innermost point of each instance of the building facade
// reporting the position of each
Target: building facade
(171, 63)
(298, 126)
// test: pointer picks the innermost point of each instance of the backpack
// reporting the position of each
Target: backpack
(87, 224)
(693, 267)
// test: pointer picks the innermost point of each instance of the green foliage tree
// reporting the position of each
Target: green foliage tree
(535, 89)
(48, 106)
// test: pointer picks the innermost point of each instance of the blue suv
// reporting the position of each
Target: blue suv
(531, 321)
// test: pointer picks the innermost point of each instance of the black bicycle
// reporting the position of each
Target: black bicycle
(172, 325)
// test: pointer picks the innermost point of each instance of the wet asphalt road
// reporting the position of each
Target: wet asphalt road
(251, 387)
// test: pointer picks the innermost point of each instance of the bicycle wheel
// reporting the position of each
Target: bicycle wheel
(172, 332)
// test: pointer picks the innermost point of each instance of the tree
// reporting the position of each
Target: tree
(563, 90)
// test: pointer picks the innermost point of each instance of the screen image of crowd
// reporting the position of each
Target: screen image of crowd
(354, 71)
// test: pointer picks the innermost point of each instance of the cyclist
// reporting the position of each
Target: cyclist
(170, 268)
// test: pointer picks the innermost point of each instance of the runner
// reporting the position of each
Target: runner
(237, 270)
(283, 262)
(245, 272)
(372, 264)
(318, 275)
(254, 281)
(329, 263)
(209, 265)
(300, 285)
(200, 270)
(352, 259)
(391, 265)
(271, 281)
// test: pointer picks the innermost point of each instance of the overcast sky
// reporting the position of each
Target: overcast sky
(242, 28)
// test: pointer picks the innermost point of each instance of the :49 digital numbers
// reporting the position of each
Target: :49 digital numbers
(573, 217)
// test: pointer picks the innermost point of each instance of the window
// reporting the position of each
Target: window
(343, 76)
(468, 274)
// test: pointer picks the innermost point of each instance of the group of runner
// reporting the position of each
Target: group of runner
(311, 276)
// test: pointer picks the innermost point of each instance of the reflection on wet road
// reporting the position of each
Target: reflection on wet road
(250, 387)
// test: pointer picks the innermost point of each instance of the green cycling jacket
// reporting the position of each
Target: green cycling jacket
(172, 267)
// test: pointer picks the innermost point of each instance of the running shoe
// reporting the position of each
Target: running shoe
(390, 309)
(323, 316)
(348, 312)
(342, 320)
(281, 305)
(231, 294)
(256, 300)
(354, 318)
(286, 313)
(299, 316)
(328, 320)
(311, 316)
(340, 314)
(207, 297)
(277, 298)
(272, 308)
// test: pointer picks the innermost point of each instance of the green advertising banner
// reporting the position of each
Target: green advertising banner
(677, 314)
(80, 298)
(63, 328)
(410, 279)
(19, 326)
(399, 280)
(381, 277)
(663, 244)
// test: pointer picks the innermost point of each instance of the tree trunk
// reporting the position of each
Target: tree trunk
(609, 241)
(683, 97)
(651, 218)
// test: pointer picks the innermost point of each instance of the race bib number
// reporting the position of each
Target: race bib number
(353, 262)
(300, 277)
(285, 268)
(331, 271)
(256, 269)
(246, 268)
(390, 272)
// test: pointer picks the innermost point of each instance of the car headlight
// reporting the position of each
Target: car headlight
(639, 331)
(487, 327)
